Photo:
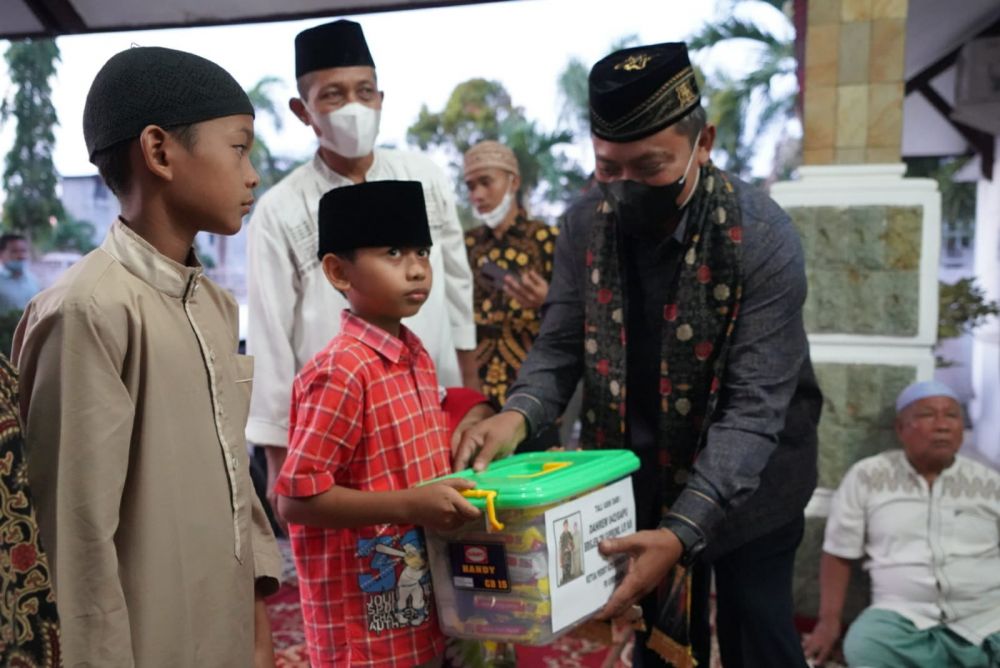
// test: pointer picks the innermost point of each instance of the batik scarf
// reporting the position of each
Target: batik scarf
(699, 316)
(29, 624)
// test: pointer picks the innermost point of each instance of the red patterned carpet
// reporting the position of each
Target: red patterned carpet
(290, 647)
(567, 652)
(286, 628)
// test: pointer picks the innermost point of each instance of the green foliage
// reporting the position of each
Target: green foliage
(270, 167)
(728, 99)
(480, 109)
(735, 28)
(29, 176)
(474, 112)
(207, 261)
(69, 235)
(962, 308)
(958, 200)
(264, 103)
(8, 323)
(727, 103)
(574, 90)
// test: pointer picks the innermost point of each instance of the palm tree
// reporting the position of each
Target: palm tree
(271, 168)
(574, 90)
(729, 100)
(481, 109)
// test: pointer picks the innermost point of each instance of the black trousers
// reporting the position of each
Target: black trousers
(754, 615)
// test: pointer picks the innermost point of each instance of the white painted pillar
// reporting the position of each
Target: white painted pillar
(984, 409)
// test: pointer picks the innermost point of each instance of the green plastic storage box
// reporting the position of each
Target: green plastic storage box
(530, 570)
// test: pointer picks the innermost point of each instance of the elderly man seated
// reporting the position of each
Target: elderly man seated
(925, 520)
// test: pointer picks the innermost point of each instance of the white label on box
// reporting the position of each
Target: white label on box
(581, 579)
(463, 583)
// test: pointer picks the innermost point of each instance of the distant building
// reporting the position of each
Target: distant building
(86, 198)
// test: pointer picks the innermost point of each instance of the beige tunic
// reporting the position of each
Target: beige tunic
(135, 404)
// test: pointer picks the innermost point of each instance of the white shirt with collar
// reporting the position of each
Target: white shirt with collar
(294, 311)
(933, 552)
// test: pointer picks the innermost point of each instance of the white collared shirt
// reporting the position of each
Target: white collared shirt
(933, 552)
(294, 311)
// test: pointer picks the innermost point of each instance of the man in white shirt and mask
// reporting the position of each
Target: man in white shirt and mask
(293, 313)
(926, 522)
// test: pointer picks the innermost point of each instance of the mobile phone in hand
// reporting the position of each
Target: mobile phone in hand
(496, 273)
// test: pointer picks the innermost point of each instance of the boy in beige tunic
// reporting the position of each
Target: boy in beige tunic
(134, 397)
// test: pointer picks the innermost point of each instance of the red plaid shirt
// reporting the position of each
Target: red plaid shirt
(366, 415)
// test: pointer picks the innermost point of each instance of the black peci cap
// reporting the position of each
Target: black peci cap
(337, 44)
(373, 214)
(152, 85)
(639, 91)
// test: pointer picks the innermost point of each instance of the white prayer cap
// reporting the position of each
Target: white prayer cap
(922, 390)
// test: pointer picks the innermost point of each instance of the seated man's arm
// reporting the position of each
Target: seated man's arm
(843, 543)
(834, 577)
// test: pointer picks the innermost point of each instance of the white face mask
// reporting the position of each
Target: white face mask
(499, 214)
(349, 131)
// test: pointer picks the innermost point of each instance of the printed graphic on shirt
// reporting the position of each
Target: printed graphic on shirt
(396, 582)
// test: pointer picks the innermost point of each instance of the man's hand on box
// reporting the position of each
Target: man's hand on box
(476, 414)
(440, 506)
(495, 436)
(651, 556)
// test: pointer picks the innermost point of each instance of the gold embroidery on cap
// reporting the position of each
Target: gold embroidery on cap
(633, 63)
(685, 95)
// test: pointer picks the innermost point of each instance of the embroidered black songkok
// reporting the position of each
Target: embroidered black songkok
(639, 91)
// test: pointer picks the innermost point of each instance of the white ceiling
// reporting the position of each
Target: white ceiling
(934, 28)
(25, 18)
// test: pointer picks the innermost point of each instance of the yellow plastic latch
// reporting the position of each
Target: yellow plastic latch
(547, 467)
(491, 511)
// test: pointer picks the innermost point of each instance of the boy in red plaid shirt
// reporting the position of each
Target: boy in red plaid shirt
(366, 429)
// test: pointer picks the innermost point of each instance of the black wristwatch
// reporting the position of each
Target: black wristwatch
(691, 539)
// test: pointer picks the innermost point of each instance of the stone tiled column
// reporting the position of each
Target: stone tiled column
(854, 81)
(871, 240)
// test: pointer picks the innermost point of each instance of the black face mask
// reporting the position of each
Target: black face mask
(645, 210)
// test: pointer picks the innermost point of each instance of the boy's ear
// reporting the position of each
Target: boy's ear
(298, 107)
(335, 269)
(153, 143)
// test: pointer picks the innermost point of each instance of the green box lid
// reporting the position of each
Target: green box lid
(543, 478)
